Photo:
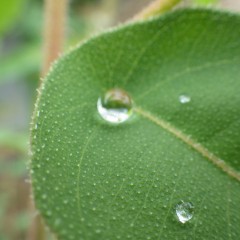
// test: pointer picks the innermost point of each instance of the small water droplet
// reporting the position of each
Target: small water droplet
(115, 106)
(184, 211)
(184, 99)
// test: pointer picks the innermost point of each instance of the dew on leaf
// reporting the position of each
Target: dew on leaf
(184, 99)
(184, 211)
(115, 106)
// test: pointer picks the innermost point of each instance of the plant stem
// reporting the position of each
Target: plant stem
(36, 230)
(155, 8)
(54, 31)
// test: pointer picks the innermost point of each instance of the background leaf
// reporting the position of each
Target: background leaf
(205, 2)
(20, 63)
(8, 12)
(95, 180)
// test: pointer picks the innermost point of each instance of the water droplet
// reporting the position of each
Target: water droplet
(115, 106)
(184, 211)
(184, 99)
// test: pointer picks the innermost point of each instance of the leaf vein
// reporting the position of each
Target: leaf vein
(190, 142)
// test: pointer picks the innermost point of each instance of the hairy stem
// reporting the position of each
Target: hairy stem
(54, 31)
(36, 230)
(155, 8)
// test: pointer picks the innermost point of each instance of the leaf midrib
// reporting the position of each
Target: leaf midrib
(214, 159)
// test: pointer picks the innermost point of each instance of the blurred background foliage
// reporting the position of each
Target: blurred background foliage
(21, 43)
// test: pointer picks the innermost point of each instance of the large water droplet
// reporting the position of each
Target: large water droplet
(184, 99)
(184, 211)
(115, 106)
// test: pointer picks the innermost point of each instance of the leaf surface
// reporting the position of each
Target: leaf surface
(95, 180)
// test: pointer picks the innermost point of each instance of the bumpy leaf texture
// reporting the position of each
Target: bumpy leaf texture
(97, 180)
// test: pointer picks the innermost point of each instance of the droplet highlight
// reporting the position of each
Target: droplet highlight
(184, 99)
(184, 211)
(115, 106)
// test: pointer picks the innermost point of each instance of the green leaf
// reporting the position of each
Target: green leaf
(20, 63)
(15, 140)
(205, 2)
(8, 12)
(96, 180)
